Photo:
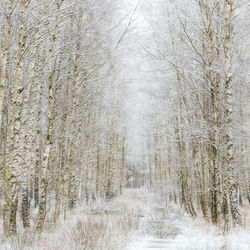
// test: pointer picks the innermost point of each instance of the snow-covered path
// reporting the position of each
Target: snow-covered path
(140, 242)
(194, 239)
(188, 234)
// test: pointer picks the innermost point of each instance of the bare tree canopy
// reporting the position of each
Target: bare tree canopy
(106, 101)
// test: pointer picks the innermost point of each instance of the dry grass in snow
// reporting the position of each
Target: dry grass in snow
(98, 227)
(136, 220)
(167, 226)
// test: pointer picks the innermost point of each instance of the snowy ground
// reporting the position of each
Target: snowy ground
(193, 236)
(184, 233)
(136, 220)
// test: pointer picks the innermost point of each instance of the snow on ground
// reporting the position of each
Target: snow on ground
(184, 233)
(193, 237)
(136, 220)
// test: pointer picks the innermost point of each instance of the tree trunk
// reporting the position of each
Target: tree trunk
(233, 192)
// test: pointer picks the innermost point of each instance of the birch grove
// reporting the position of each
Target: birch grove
(203, 59)
(91, 105)
(56, 78)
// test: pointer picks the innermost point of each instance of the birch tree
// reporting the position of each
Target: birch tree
(201, 64)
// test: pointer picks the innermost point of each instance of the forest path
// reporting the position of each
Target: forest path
(176, 230)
